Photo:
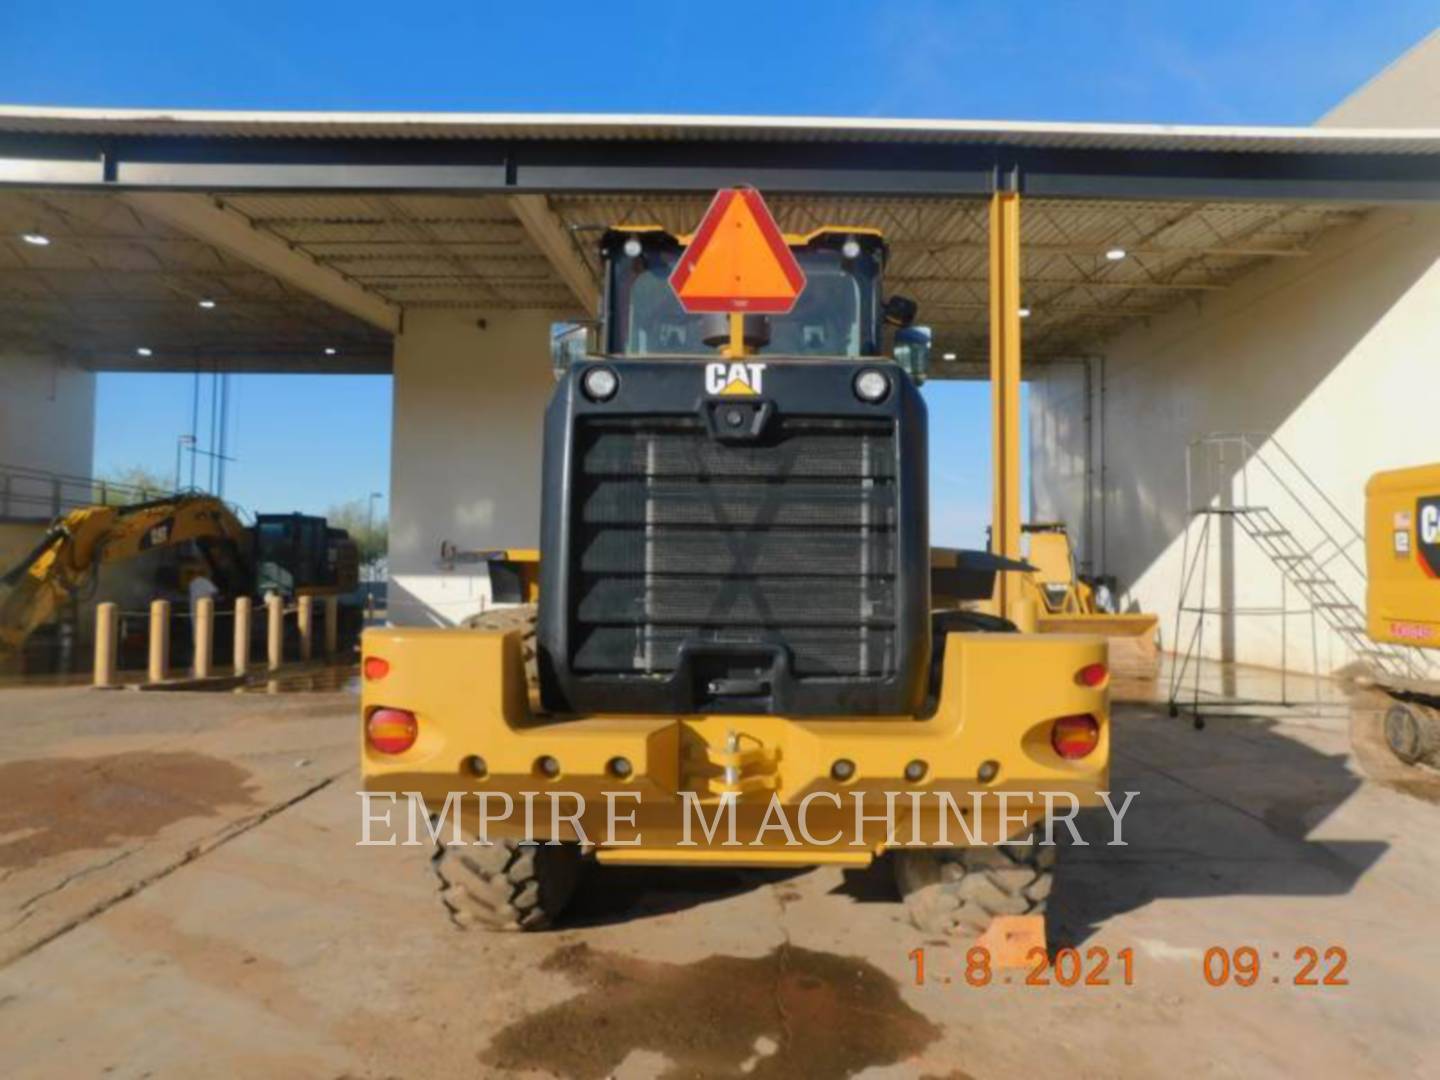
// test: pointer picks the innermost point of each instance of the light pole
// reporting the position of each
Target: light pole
(370, 510)
(180, 443)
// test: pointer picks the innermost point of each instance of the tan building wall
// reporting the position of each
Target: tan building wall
(47, 422)
(1336, 357)
(1405, 94)
(465, 463)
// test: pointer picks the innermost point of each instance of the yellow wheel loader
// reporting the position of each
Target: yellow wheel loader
(1402, 552)
(735, 649)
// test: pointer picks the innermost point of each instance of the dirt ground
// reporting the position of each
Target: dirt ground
(181, 895)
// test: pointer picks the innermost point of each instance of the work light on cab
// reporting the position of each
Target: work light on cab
(391, 731)
(1074, 737)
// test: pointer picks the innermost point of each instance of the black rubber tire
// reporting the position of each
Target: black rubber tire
(520, 617)
(1412, 733)
(507, 885)
(957, 891)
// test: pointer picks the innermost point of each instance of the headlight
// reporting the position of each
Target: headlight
(600, 384)
(872, 386)
(633, 247)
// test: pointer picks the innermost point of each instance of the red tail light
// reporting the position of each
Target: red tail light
(1074, 737)
(375, 668)
(1092, 675)
(391, 731)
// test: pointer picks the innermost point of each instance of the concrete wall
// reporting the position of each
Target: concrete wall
(1336, 357)
(47, 421)
(465, 464)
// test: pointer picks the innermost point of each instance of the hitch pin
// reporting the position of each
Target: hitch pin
(732, 746)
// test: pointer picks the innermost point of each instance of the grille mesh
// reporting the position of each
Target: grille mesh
(788, 540)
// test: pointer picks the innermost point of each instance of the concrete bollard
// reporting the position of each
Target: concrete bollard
(274, 631)
(306, 620)
(159, 665)
(242, 634)
(107, 643)
(332, 626)
(204, 619)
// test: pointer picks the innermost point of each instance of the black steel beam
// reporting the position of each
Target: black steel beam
(225, 163)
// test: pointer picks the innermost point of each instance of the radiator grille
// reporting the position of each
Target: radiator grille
(680, 537)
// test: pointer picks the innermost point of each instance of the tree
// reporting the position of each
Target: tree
(372, 537)
(120, 487)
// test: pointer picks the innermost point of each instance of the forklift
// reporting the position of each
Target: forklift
(735, 607)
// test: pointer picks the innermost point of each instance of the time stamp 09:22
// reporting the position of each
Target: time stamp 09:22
(1241, 965)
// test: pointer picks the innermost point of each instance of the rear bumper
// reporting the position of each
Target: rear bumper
(650, 788)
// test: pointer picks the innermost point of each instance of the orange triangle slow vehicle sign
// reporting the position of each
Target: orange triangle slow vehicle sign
(738, 260)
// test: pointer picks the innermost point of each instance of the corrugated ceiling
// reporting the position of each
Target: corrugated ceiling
(115, 280)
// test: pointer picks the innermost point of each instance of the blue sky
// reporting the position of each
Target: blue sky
(1223, 61)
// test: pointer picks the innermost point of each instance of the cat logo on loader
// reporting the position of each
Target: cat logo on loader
(733, 380)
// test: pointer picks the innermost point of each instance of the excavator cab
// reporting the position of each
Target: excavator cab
(300, 553)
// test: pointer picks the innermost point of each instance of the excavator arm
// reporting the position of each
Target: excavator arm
(77, 544)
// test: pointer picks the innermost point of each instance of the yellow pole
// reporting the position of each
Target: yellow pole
(306, 620)
(241, 648)
(736, 348)
(274, 631)
(204, 627)
(159, 641)
(1005, 393)
(107, 643)
(332, 626)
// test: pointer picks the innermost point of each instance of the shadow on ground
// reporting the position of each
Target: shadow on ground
(618, 894)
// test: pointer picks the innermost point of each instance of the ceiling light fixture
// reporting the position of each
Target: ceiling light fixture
(207, 304)
(1024, 313)
(948, 356)
(36, 238)
(1115, 254)
(330, 350)
(144, 351)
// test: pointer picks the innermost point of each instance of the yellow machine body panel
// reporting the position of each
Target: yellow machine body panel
(468, 691)
(1402, 555)
(1066, 605)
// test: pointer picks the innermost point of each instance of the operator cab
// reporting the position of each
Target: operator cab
(840, 314)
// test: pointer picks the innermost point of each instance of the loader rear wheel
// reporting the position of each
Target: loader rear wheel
(507, 885)
(1412, 733)
(522, 618)
(957, 891)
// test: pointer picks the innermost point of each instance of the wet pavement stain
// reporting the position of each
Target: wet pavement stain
(792, 1012)
(56, 805)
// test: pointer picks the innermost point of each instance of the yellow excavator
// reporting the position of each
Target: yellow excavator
(1402, 546)
(290, 553)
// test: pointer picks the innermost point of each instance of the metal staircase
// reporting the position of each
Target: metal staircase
(1252, 482)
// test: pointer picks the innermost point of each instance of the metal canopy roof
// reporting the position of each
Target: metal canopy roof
(419, 212)
(653, 128)
(552, 153)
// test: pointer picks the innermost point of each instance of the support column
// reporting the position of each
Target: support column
(1005, 398)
